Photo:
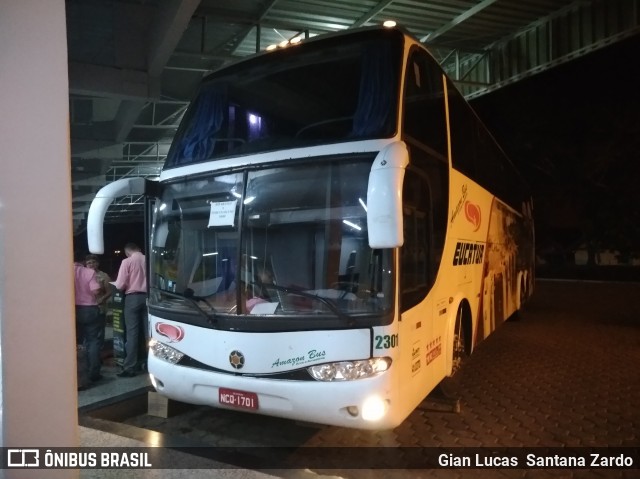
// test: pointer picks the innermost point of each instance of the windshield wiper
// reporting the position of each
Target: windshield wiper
(192, 300)
(334, 309)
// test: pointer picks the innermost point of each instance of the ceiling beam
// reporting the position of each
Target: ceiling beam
(86, 198)
(243, 36)
(227, 16)
(84, 148)
(111, 82)
(171, 20)
(458, 20)
(128, 113)
(98, 180)
(96, 150)
(218, 15)
(126, 83)
(371, 13)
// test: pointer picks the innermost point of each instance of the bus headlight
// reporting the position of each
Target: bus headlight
(349, 370)
(164, 352)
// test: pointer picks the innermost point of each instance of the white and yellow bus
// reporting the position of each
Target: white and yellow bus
(334, 231)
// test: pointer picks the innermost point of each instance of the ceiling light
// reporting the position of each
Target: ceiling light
(353, 225)
(389, 24)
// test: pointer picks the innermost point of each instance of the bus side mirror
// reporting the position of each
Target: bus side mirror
(100, 204)
(384, 197)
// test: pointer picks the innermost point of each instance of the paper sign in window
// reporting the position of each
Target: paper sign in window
(223, 213)
(265, 308)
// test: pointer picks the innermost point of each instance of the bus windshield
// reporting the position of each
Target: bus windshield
(287, 242)
(305, 95)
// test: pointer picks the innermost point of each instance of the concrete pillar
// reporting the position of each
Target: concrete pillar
(38, 395)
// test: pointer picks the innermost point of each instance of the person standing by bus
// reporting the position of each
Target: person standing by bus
(88, 325)
(133, 282)
(91, 261)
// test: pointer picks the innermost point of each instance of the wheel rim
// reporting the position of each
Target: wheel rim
(458, 344)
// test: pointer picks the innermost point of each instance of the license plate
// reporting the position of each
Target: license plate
(239, 399)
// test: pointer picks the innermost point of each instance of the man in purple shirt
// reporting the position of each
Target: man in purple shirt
(132, 281)
(88, 322)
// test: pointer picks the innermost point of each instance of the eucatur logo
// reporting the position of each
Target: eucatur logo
(173, 333)
(472, 213)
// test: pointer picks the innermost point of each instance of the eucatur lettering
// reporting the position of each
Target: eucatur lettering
(468, 253)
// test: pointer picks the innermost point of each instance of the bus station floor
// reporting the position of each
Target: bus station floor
(111, 387)
(565, 374)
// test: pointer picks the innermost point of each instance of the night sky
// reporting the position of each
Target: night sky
(574, 133)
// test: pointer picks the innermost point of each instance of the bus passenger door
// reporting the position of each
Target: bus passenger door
(426, 199)
(416, 279)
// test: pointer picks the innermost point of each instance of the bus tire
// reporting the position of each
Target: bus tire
(524, 290)
(461, 338)
(522, 299)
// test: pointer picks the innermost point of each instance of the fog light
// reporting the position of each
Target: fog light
(374, 408)
(156, 383)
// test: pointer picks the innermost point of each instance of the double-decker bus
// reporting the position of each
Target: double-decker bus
(333, 232)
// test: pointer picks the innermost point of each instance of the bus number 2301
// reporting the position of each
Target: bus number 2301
(387, 341)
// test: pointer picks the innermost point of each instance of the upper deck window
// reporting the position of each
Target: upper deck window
(339, 89)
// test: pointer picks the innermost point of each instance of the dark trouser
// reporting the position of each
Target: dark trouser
(135, 322)
(103, 319)
(89, 329)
